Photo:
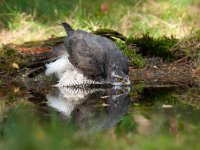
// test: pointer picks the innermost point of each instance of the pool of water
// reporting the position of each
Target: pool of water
(37, 116)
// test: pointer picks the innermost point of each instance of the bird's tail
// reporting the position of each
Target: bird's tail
(39, 64)
(36, 71)
(42, 59)
(67, 27)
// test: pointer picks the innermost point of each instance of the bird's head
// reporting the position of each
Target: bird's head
(119, 78)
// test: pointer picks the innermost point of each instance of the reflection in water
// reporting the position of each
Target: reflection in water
(148, 119)
(95, 108)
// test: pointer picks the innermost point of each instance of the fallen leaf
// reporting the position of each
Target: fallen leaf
(166, 106)
(16, 90)
(15, 65)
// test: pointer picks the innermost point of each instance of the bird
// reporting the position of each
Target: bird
(84, 59)
(83, 105)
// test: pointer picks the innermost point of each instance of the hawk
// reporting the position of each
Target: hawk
(84, 59)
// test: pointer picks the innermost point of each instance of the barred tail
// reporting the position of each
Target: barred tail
(37, 71)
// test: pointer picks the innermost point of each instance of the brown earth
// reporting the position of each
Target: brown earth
(154, 73)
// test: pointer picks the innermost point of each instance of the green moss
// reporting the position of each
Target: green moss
(8, 52)
(198, 34)
(45, 43)
(10, 56)
(135, 59)
(110, 34)
(149, 46)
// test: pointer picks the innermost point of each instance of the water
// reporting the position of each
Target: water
(37, 116)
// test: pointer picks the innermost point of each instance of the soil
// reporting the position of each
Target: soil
(154, 73)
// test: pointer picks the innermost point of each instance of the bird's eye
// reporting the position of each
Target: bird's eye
(119, 79)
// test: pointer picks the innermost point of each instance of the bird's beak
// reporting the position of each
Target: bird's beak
(126, 82)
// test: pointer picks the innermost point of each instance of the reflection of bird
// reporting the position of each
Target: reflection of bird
(85, 58)
(94, 118)
(85, 105)
(66, 99)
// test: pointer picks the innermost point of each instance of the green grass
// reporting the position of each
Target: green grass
(154, 26)
(38, 19)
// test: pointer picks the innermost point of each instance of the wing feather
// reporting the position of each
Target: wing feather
(86, 53)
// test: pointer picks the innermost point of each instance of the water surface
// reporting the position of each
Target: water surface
(34, 115)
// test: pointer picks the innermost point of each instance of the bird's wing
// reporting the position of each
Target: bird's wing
(40, 60)
(88, 52)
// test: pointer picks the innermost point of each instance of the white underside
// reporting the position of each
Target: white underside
(58, 67)
(67, 74)
(68, 99)
(65, 104)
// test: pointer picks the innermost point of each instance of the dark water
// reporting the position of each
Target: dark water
(37, 116)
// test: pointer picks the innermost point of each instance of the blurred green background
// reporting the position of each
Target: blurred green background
(38, 19)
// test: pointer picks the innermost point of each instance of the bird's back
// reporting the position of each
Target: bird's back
(92, 55)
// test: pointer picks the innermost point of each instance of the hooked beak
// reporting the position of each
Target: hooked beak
(127, 82)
